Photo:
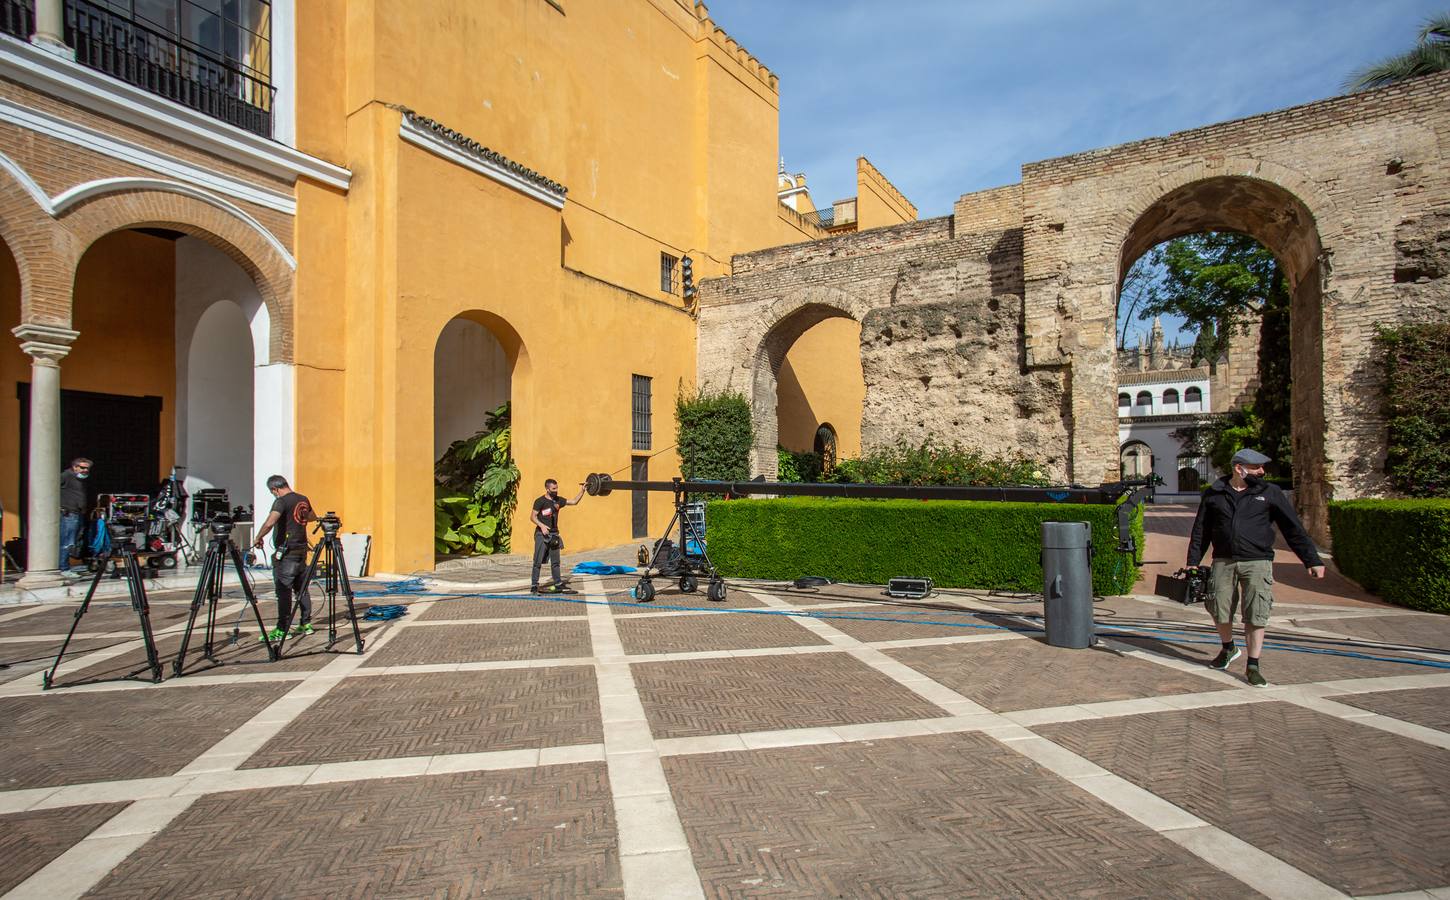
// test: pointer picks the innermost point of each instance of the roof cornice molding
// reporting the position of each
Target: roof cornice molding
(457, 147)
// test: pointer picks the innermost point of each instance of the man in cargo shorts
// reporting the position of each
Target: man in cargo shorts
(1237, 516)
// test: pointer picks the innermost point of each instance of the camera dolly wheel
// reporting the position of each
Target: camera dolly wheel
(644, 592)
(715, 593)
(688, 584)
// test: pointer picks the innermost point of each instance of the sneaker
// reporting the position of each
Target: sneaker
(533, 589)
(1256, 678)
(276, 634)
(299, 630)
(1224, 658)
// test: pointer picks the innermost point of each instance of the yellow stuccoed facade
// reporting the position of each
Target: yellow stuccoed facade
(665, 132)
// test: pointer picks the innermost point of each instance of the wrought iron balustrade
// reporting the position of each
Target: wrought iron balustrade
(822, 217)
(163, 65)
(17, 17)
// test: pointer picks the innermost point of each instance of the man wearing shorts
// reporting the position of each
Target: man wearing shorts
(1237, 517)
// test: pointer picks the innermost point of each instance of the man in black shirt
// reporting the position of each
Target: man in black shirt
(73, 506)
(290, 514)
(547, 541)
(1237, 516)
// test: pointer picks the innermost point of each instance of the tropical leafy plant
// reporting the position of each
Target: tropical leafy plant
(476, 489)
(1430, 54)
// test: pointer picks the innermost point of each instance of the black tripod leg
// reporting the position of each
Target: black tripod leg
(48, 679)
(272, 651)
(351, 609)
(143, 609)
(655, 554)
(202, 583)
(214, 593)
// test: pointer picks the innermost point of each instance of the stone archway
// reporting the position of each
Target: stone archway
(788, 323)
(1284, 223)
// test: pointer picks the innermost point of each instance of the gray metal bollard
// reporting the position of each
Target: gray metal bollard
(1068, 583)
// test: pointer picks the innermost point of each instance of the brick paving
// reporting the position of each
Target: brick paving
(100, 618)
(482, 643)
(816, 822)
(901, 621)
(727, 631)
(1029, 674)
(724, 696)
(500, 608)
(1429, 707)
(61, 738)
(1365, 811)
(246, 655)
(30, 840)
(442, 712)
(535, 833)
(784, 756)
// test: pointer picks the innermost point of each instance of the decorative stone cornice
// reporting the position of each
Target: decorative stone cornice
(456, 147)
(45, 343)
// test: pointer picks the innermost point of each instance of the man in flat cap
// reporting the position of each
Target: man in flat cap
(1236, 516)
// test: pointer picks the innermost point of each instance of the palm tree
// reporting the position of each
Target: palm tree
(1430, 54)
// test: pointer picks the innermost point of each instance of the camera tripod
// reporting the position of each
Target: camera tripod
(691, 568)
(219, 551)
(327, 560)
(137, 587)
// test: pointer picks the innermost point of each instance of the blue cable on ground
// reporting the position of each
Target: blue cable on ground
(408, 586)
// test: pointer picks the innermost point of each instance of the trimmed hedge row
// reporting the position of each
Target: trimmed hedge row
(1398, 549)
(955, 543)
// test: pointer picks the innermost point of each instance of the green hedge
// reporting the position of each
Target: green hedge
(1397, 549)
(955, 543)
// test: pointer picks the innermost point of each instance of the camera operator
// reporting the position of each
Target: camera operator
(547, 540)
(73, 506)
(290, 514)
(1237, 516)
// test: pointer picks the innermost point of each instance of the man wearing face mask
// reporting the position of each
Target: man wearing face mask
(1237, 516)
(547, 541)
(73, 506)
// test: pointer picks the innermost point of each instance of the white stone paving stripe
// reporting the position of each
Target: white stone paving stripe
(655, 859)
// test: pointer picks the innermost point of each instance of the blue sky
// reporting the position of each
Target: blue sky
(951, 96)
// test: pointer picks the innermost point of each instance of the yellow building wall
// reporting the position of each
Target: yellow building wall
(821, 382)
(878, 202)
(125, 311)
(665, 132)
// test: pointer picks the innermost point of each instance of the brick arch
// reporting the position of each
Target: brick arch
(1326, 219)
(778, 328)
(1299, 223)
(88, 217)
(29, 233)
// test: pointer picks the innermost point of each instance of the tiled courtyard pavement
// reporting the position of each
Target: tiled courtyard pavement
(784, 743)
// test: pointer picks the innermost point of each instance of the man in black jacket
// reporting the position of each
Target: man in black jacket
(1237, 516)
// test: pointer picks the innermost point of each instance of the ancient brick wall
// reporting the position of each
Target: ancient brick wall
(1352, 194)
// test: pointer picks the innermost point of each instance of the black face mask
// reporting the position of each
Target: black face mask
(1253, 480)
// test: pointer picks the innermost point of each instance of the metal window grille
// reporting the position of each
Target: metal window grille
(669, 269)
(640, 406)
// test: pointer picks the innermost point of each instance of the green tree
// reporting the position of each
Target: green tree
(1219, 282)
(1430, 54)
(714, 436)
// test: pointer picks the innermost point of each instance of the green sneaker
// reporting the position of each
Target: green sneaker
(276, 634)
(1224, 658)
(299, 630)
(1256, 678)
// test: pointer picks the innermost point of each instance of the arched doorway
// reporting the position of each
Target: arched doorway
(475, 494)
(1283, 224)
(1136, 460)
(14, 369)
(807, 372)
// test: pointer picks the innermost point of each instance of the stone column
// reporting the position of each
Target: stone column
(50, 27)
(46, 345)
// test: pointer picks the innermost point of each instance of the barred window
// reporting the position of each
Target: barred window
(669, 266)
(640, 406)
